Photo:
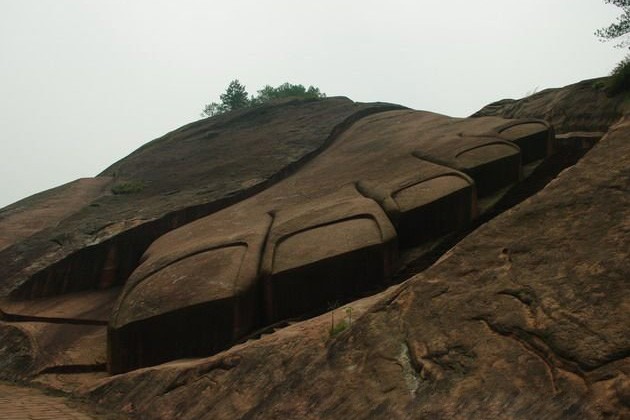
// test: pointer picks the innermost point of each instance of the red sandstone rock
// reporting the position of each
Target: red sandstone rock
(94, 239)
(71, 248)
(582, 106)
(325, 234)
(524, 318)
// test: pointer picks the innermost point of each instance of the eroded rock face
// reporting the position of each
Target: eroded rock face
(328, 233)
(524, 318)
(90, 238)
(580, 107)
(66, 252)
(48, 209)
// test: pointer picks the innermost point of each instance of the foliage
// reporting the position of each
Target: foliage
(531, 92)
(286, 90)
(619, 28)
(619, 80)
(212, 109)
(128, 187)
(348, 310)
(338, 328)
(236, 97)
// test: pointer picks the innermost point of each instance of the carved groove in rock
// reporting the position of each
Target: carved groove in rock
(85, 257)
(102, 263)
(326, 234)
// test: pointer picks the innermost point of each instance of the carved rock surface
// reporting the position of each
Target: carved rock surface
(82, 236)
(326, 234)
(524, 318)
(65, 253)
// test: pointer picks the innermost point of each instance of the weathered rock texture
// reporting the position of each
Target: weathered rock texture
(82, 237)
(583, 106)
(325, 234)
(47, 209)
(524, 318)
(65, 252)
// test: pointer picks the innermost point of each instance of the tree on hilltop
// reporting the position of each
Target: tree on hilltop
(286, 90)
(236, 97)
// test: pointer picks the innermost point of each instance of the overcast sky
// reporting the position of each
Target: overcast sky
(83, 82)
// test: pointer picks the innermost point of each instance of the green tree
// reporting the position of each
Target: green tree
(236, 96)
(619, 80)
(619, 28)
(286, 90)
(212, 109)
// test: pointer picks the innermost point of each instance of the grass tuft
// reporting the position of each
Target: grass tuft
(338, 328)
(129, 187)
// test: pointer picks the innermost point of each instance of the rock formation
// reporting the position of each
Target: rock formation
(224, 252)
(327, 233)
(73, 247)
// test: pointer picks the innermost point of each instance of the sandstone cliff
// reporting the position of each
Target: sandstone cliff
(525, 317)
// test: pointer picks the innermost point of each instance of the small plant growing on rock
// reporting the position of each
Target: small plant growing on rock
(336, 328)
(331, 307)
(129, 187)
(348, 310)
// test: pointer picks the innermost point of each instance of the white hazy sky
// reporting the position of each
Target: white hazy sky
(83, 83)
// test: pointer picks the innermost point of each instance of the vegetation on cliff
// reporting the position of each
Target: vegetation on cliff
(620, 28)
(620, 76)
(236, 96)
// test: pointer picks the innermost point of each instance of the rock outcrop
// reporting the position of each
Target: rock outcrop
(66, 252)
(524, 318)
(97, 240)
(581, 107)
(326, 234)
(224, 242)
(371, 175)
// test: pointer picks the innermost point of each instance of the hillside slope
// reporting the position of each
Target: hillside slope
(524, 318)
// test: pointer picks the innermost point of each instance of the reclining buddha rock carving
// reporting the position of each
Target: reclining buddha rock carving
(327, 233)
(62, 240)
(324, 250)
